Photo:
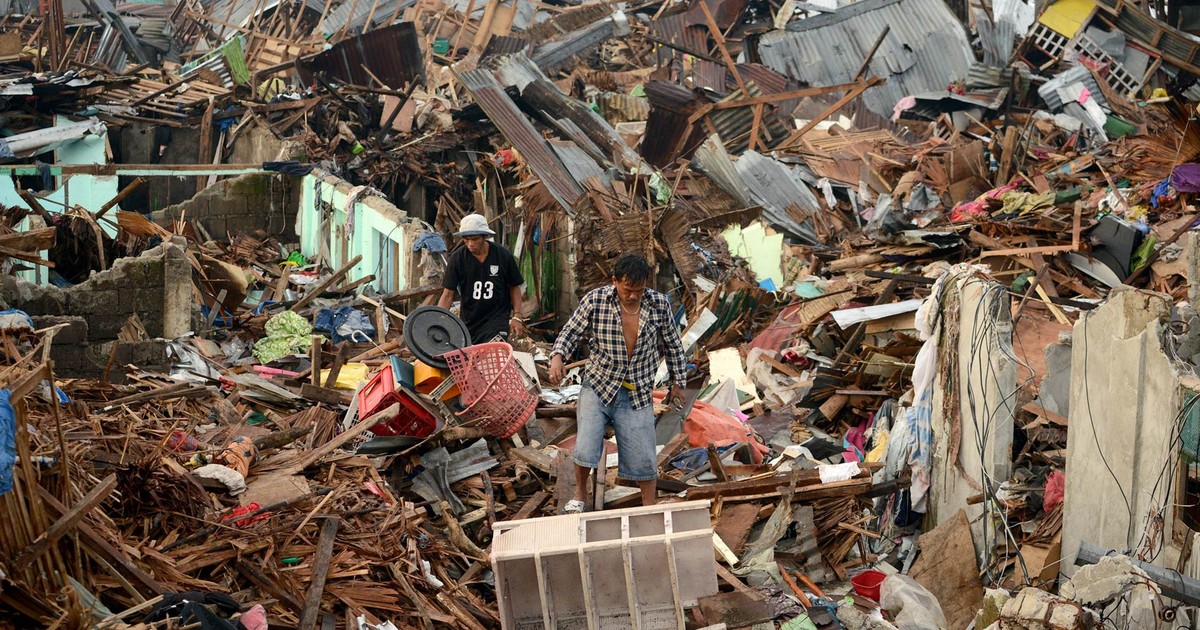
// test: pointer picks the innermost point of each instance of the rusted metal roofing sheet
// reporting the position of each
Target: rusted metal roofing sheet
(517, 129)
(670, 107)
(677, 29)
(505, 45)
(734, 125)
(392, 53)
(926, 49)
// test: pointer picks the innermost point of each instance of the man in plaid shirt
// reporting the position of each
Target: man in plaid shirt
(630, 327)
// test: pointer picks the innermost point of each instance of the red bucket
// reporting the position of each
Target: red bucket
(868, 582)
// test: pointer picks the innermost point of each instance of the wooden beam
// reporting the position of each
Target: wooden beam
(784, 96)
(326, 283)
(205, 157)
(66, 522)
(720, 39)
(1027, 251)
(96, 545)
(829, 111)
(320, 569)
(315, 455)
(862, 69)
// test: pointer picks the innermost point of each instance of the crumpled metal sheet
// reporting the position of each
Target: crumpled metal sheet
(517, 129)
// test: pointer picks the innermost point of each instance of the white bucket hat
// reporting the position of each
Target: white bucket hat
(474, 225)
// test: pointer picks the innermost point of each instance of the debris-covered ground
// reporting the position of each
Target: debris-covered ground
(931, 262)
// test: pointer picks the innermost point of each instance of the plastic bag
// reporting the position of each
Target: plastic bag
(708, 424)
(913, 606)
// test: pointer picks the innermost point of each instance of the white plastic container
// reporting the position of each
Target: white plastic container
(619, 569)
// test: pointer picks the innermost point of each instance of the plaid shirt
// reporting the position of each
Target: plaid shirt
(599, 314)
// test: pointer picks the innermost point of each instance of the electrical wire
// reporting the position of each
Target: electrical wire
(984, 330)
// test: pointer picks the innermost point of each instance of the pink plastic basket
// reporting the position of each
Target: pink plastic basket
(493, 389)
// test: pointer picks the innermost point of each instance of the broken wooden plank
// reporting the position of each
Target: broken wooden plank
(320, 570)
(948, 567)
(67, 521)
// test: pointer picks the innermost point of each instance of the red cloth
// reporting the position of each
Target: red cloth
(707, 424)
(243, 510)
(1056, 487)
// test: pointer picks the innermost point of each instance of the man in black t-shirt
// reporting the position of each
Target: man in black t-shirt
(487, 279)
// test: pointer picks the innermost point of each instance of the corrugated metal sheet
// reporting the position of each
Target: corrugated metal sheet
(555, 54)
(13, 7)
(926, 49)
(623, 108)
(670, 107)
(505, 45)
(341, 17)
(518, 70)
(769, 81)
(709, 75)
(503, 113)
(756, 179)
(712, 160)
(392, 53)
(578, 162)
(567, 21)
(677, 29)
(1177, 47)
(1077, 74)
(239, 12)
(778, 189)
(734, 125)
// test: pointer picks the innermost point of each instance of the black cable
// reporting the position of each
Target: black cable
(984, 331)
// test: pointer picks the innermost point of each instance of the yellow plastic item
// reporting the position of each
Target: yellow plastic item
(881, 443)
(426, 378)
(352, 376)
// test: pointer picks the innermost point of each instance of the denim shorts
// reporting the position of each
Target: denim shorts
(634, 429)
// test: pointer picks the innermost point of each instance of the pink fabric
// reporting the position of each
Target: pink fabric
(254, 619)
(1056, 487)
(965, 211)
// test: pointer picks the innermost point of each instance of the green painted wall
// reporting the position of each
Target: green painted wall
(373, 227)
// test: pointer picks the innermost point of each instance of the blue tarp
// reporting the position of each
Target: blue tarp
(8, 442)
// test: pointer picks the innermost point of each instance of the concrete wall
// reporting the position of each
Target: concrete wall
(984, 371)
(135, 144)
(255, 145)
(243, 204)
(372, 226)
(89, 191)
(1125, 395)
(157, 286)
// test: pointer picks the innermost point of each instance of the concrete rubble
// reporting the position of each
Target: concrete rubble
(934, 263)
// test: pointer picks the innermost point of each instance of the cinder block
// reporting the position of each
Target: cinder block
(632, 568)
(75, 331)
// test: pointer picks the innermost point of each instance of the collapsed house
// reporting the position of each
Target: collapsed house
(932, 265)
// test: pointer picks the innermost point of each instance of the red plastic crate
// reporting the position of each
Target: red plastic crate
(377, 393)
(381, 392)
(413, 420)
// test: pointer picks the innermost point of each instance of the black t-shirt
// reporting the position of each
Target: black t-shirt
(483, 288)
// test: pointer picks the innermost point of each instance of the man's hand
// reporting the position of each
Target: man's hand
(556, 369)
(516, 328)
(675, 396)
